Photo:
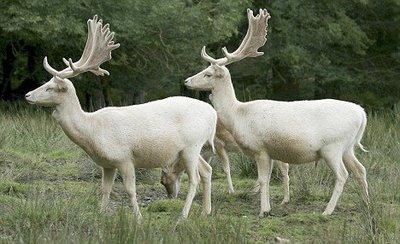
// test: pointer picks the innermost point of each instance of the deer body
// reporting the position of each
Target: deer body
(225, 142)
(143, 132)
(292, 132)
(163, 133)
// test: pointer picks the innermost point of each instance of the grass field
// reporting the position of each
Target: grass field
(49, 192)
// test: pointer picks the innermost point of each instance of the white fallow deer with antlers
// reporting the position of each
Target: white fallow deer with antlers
(293, 132)
(155, 134)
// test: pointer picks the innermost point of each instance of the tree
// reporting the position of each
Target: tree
(160, 40)
(316, 49)
(325, 49)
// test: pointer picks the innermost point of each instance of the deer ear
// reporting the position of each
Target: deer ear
(61, 84)
(218, 70)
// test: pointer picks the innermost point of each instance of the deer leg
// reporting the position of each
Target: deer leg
(205, 171)
(264, 168)
(223, 155)
(191, 161)
(128, 174)
(359, 172)
(106, 186)
(284, 168)
(333, 158)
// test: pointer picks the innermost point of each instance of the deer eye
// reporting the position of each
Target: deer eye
(207, 75)
(48, 89)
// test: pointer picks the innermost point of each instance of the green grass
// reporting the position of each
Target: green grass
(49, 192)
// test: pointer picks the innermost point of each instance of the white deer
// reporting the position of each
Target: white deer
(156, 134)
(224, 142)
(292, 132)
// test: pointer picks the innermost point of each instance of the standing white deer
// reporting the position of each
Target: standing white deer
(171, 131)
(292, 132)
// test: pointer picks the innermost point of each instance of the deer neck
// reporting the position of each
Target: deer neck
(225, 101)
(73, 120)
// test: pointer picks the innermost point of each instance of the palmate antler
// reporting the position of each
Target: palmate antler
(254, 39)
(98, 47)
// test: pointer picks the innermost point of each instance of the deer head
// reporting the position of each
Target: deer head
(171, 181)
(217, 72)
(99, 45)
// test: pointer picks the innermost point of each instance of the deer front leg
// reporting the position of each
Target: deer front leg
(128, 175)
(191, 161)
(264, 167)
(106, 186)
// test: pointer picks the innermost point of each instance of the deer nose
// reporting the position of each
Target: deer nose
(187, 80)
(28, 95)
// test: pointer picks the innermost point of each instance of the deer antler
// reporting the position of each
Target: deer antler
(98, 47)
(254, 39)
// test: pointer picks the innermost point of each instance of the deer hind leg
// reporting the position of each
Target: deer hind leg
(106, 186)
(358, 170)
(333, 157)
(264, 168)
(205, 172)
(191, 161)
(223, 155)
(284, 167)
(128, 174)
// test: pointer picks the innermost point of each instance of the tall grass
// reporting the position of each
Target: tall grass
(49, 192)
(379, 221)
(62, 220)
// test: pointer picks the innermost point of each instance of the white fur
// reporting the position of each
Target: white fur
(224, 143)
(292, 132)
(162, 133)
(150, 135)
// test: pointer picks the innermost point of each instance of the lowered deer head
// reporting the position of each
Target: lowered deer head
(99, 45)
(171, 181)
(217, 72)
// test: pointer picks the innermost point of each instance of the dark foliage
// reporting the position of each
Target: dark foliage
(348, 50)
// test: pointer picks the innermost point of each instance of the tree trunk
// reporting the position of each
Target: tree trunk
(8, 67)
(97, 99)
(88, 101)
(105, 85)
(139, 96)
(30, 82)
